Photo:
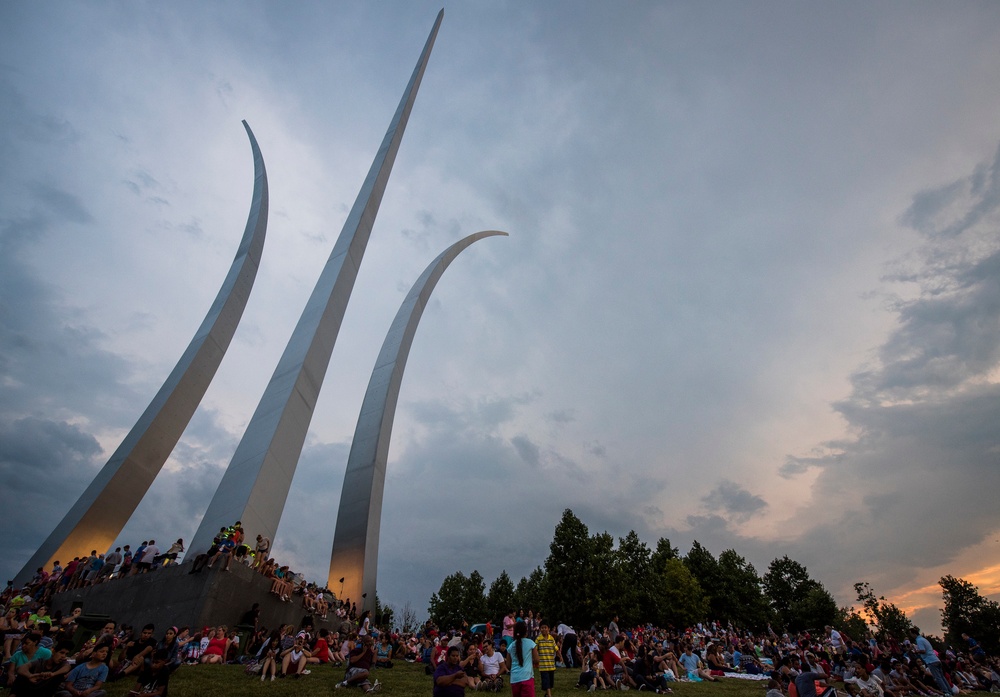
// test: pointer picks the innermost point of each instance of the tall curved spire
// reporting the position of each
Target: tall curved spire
(255, 485)
(101, 512)
(355, 544)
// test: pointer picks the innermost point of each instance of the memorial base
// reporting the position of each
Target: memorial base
(171, 596)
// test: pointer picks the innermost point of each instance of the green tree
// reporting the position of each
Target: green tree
(676, 598)
(965, 610)
(786, 583)
(384, 614)
(446, 606)
(888, 620)
(664, 551)
(740, 595)
(705, 569)
(475, 598)
(568, 570)
(530, 592)
(500, 599)
(633, 561)
(460, 598)
(816, 610)
(605, 583)
(850, 621)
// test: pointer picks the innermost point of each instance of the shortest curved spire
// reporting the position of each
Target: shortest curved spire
(355, 544)
(99, 515)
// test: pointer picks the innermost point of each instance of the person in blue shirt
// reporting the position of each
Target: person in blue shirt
(87, 679)
(522, 657)
(931, 660)
(975, 650)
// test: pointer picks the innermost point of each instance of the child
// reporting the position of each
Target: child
(154, 678)
(547, 651)
(87, 679)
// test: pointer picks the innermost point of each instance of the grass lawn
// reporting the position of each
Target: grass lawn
(403, 680)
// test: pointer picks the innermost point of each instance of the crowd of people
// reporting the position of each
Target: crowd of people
(40, 658)
(800, 664)
(228, 546)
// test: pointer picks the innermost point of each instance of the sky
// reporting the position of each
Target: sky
(750, 296)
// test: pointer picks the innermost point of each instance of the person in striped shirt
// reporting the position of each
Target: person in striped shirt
(548, 648)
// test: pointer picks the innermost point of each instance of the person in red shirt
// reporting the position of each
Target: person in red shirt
(614, 662)
(439, 651)
(321, 651)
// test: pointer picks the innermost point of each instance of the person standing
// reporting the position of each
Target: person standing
(613, 629)
(508, 628)
(568, 643)
(547, 651)
(260, 551)
(522, 657)
(931, 660)
(149, 553)
(111, 562)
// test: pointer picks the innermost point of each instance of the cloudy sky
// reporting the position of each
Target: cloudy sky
(751, 293)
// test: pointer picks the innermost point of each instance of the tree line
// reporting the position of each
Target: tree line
(588, 578)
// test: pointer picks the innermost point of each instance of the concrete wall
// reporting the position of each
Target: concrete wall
(172, 596)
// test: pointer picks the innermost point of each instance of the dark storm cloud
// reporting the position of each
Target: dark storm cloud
(950, 210)
(561, 416)
(43, 463)
(41, 337)
(731, 500)
(26, 124)
(528, 451)
(927, 449)
(662, 311)
(60, 203)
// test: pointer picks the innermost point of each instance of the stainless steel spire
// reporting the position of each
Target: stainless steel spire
(355, 544)
(101, 512)
(255, 485)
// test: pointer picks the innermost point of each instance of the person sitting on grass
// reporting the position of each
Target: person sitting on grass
(774, 689)
(30, 651)
(359, 666)
(695, 668)
(268, 655)
(864, 685)
(293, 659)
(335, 646)
(614, 662)
(470, 664)
(321, 649)
(449, 678)
(218, 647)
(87, 679)
(383, 652)
(134, 653)
(42, 676)
(806, 685)
(492, 666)
(154, 678)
